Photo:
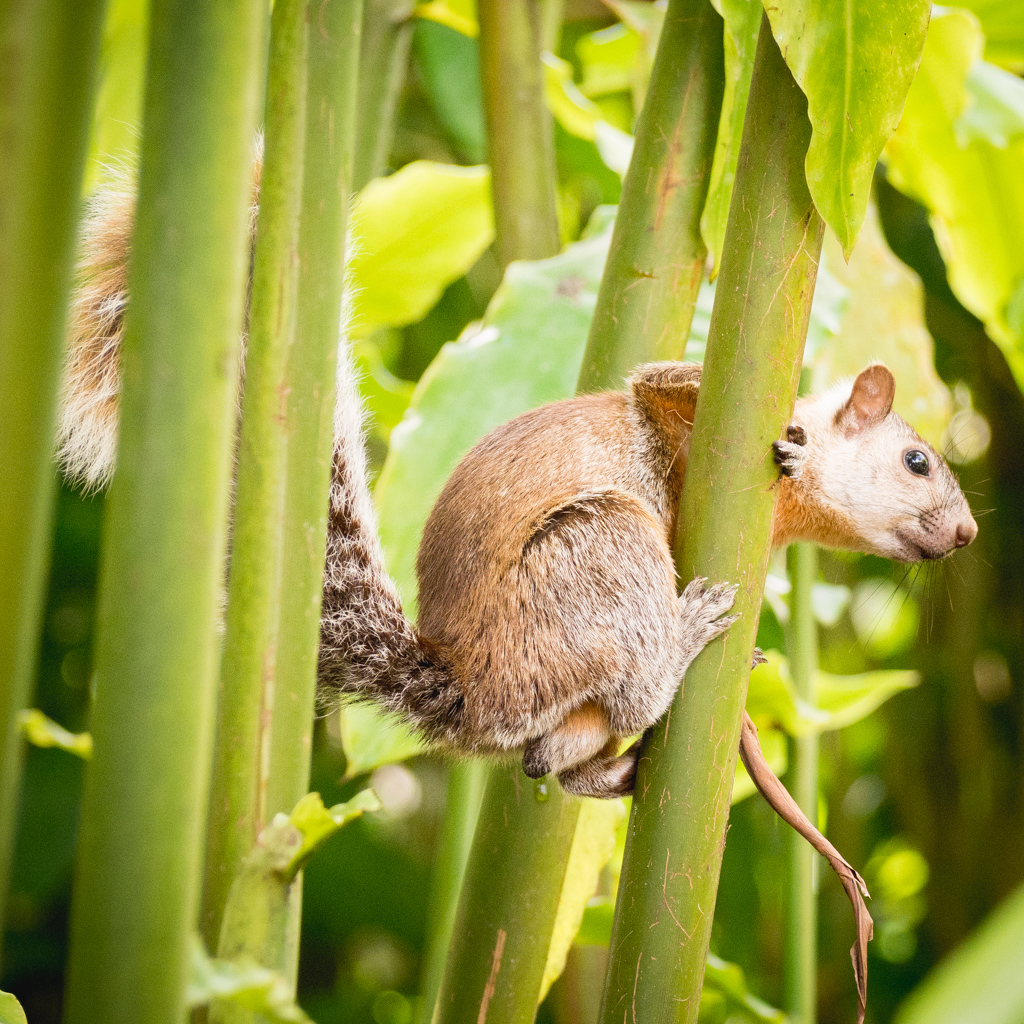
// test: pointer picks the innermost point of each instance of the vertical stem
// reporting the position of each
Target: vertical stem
(48, 59)
(333, 67)
(684, 779)
(140, 849)
(656, 244)
(802, 916)
(504, 925)
(466, 780)
(383, 61)
(520, 144)
(249, 659)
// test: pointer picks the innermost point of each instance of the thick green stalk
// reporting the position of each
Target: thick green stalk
(684, 779)
(509, 899)
(48, 60)
(333, 67)
(466, 781)
(383, 61)
(657, 255)
(248, 664)
(520, 144)
(137, 883)
(802, 916)
(538, 836)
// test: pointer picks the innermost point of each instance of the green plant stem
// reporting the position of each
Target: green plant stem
(248, 665)
(657, 249)
(538, 836)
(520, 144)
(509, 899)
(802, 914)
(136, 896)
(466, 780)
(684, 780)
(383, 62)
(48, 58)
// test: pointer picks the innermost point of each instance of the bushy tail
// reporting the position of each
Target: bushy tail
(367, 645)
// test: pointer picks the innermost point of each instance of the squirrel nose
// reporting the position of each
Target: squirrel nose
(966, 532)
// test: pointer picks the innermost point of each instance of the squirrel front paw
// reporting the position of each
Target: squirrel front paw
(702, 616)
(791, 454)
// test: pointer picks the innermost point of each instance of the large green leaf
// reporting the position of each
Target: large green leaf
(855, 62)
(884, 321)
(982, 981)
(742, 20)
(371, 738)
(413, 234)
(973, 188)
(840, 700)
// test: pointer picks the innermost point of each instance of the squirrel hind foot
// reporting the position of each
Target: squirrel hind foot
(602, 777)
(584, 733)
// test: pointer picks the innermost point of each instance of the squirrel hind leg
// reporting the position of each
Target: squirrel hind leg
(584, 733)
(603, 777)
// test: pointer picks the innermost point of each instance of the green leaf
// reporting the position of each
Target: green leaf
(455, 14)
(525, 352)
(592, 848)
(742, 20)
(884, 320)
(448, 65)
(855, 66)
(371, 738)
(318, 823)
(995, 107)
(10, 1010)
(840, 700)
(415, 232)
(1003, 24)
(609, 58)
(979, 983)
(41, 731)
(581, 117)
(974, 191)
(239, 982)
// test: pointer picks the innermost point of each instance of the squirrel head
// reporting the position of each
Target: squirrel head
(869, 481)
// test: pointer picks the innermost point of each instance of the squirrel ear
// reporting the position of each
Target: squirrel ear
(870, 400)
(667, 389)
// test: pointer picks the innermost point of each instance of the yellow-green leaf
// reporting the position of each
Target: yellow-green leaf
(973, 189)
(371, 738)
(592, 848)
(41, 731)
(318, 823)
(457, 14)
(884, 321)
(415, 232)
(855, 62)
(10, 1010)
(1003, 23)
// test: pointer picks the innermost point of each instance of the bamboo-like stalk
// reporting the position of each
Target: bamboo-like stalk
(466, 780)
(656, 260)
(802, 914)
(136, 896)
(383, 61)
(684, 782)
(249, 660)
(520, 144)
(504, 923)
(331, 93)
(48, 58)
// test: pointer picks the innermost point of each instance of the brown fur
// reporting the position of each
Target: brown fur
(550, 621)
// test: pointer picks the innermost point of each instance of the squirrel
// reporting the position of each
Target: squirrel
(550, 623)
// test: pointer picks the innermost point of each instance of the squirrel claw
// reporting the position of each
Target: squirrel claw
(796, 434)
(758, 659)
(790, 455)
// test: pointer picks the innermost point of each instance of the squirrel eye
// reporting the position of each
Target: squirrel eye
(916, 462)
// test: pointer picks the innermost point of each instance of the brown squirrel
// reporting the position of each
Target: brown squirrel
(549, 619)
